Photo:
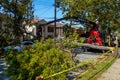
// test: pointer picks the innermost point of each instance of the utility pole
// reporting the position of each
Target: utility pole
(55, 17)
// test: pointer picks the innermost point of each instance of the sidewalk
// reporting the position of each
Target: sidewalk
(113, 73)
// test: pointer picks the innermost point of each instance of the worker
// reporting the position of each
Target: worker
(94, 36)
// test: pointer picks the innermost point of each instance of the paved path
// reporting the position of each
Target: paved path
(83, 56)
(3, 67)
(113, 73)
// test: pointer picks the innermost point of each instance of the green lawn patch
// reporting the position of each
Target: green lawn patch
(95, 72)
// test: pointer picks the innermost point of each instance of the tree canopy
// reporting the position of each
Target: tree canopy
(106, 11)
(15, 13)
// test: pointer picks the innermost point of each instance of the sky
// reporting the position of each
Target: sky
(44, 9)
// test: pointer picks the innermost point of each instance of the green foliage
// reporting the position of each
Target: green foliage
(44, 59)
(81, 40)
(69, 43)
(99, 68)
(72, 40)
(106, 11)
(15, 12)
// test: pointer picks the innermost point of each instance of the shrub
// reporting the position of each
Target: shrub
(44, 59)
(81, 40)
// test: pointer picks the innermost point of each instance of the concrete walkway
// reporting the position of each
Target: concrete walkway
(113, 73)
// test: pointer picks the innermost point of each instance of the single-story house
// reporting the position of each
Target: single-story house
(48, 30)
(59, 29)
(41, 30)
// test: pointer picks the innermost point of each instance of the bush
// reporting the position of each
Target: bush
(44, 59)
(81, 40)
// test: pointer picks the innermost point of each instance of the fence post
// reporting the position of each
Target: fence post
(116, 48)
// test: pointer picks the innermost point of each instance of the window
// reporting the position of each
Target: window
(50, 29)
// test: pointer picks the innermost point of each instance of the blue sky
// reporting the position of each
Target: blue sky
(44, 9)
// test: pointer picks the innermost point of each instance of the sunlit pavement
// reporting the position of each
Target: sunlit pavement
(81, 57)
(113, 73)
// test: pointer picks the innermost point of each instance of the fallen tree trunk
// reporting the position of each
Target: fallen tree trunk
(92, 46)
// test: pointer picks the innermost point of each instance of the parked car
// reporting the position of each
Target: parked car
(59, 38)
(20, 47)
(9, 48)
(25, 44)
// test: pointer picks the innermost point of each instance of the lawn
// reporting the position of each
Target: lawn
(94, 72)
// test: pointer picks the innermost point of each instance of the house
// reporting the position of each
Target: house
(79, 30)
(48, 30)
(41, 30)
(59, 29)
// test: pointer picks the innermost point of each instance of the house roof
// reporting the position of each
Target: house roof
(57, 24)
(35, 20)
(76, 27)
(42, 21)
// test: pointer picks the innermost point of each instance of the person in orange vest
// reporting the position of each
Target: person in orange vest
(94, 36)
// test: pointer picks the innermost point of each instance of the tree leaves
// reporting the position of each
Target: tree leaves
(15, 13)
(107, 11)
(38, 61)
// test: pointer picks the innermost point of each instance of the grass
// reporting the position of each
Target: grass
(95, 72)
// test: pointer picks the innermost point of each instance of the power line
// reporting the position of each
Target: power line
(44, 4)
(45, 11)
(47, 17)
(41, 8)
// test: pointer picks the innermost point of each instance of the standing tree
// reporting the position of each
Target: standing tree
(106, 11)
(16, 11)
